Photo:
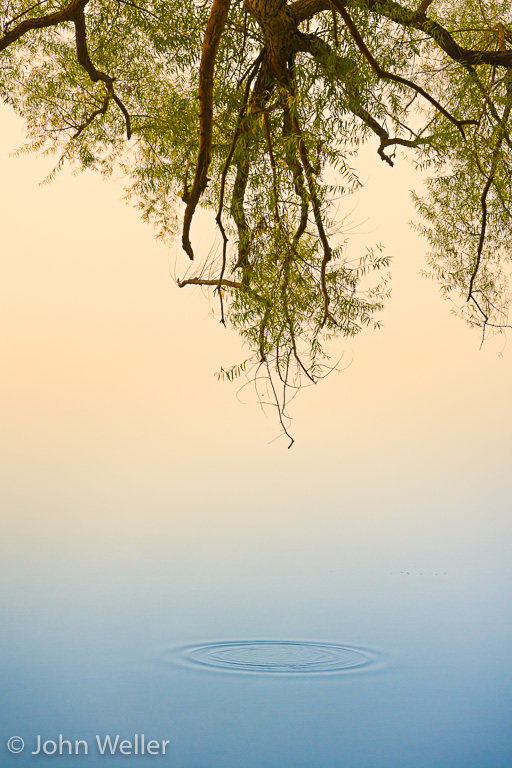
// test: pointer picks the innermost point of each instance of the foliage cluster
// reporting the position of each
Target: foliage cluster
(241, 107)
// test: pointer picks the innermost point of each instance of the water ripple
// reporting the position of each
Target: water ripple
(276, 657)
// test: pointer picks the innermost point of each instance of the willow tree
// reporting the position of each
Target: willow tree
(254, 111)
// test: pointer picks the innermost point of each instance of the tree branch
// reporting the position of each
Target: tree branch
(422, 7)
(227, 164)
(308, 172)
(96, 75)
(214, 30)
(483, 199)
(418, 20)
(100, 111)
(51, 20)
(215, 283)
(382, 73)
(307, 9)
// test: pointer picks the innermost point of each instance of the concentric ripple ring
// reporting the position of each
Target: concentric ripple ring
(276, 656)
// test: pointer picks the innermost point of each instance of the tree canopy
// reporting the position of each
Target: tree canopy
(255, 111)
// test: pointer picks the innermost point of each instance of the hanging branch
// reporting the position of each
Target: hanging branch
(323, 53)
(309, 174)
(280, 409)
(384, 75)
(298, 176)
(227, 164)
(213, 34)
(275, 190)
(241, 113)
(483, 198)
(96, 75)
(260, 95)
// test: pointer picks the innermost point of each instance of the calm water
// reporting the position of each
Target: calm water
(306, 640)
